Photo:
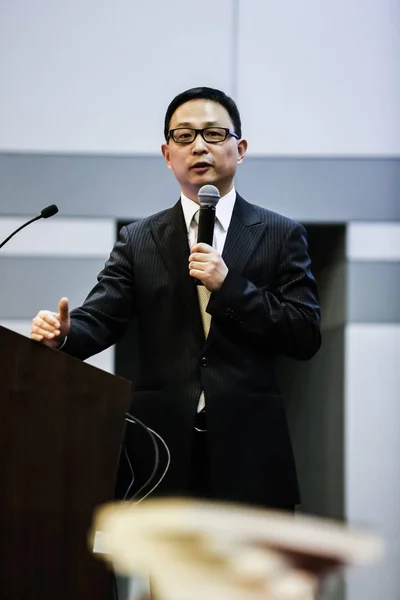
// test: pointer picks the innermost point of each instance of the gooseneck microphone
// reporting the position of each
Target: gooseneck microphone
(208, 197)
(47, 212)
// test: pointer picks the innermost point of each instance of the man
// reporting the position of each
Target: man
(262, 302)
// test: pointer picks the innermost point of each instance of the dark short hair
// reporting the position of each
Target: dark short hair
(207, 94)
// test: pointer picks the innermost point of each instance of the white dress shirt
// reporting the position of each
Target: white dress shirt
(223, 213)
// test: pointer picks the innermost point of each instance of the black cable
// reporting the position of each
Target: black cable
(130, 419)
(131, 470)
(156, 454)
(168, 453)
(151, 490)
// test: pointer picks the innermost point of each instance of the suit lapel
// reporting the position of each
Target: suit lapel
(169, 231)
(170, 235)
(244, 234)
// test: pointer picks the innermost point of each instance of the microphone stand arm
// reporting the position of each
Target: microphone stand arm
(19, 229)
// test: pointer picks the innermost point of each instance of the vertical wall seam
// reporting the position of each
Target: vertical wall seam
(235, 50)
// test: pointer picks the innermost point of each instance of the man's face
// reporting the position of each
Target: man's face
(200, 162)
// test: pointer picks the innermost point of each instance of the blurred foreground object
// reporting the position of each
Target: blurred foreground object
(204, 550)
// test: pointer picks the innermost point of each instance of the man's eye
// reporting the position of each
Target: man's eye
(215, 134)
(184, 136)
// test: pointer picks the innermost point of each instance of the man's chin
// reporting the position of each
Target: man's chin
(204, 179)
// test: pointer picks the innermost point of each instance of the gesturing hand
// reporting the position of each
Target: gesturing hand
(51, 328)
(206, 265)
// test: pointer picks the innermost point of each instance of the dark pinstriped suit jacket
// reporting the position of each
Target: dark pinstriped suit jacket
(267, 305)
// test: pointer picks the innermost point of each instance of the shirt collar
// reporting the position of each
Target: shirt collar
(223, 211)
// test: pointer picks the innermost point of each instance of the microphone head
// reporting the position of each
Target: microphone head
(208, 195)
(49, 211)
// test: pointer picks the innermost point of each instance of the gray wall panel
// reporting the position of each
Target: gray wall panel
(315, 405)
(32, 284)
(327, 190)
(329, 266)
(309, 189)
(314, 392)
(85, 185)
(374, 292)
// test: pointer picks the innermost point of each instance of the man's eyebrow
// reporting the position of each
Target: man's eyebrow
(206, 124)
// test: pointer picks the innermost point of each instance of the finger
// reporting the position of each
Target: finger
(63, 309)
(44, 333)
(201, 247)
(48, 317)
(197, 256)
(201, 275)
(49, 324)
(197, 265)
(36, 337)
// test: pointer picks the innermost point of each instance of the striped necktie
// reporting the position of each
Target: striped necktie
(204, 296)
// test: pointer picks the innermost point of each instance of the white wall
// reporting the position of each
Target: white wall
(372, 442)
(320, 77)
(310, 77)
(97, 76)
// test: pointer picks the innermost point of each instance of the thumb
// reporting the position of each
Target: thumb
(63, 310)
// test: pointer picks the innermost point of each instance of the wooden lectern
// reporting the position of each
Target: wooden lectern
(61, 427)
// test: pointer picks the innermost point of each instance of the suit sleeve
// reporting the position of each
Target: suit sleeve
(287, 313)
(106, 313)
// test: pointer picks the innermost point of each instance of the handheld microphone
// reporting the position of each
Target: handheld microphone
(208, 197)
(47, 212)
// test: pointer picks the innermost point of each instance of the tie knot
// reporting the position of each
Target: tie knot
(196, 217)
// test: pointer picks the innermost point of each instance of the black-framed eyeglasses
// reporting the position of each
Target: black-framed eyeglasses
(211, 135)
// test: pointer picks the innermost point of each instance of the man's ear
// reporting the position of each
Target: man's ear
(242, 147)
(165, 153)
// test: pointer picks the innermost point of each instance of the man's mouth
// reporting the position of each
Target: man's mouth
(200, 167)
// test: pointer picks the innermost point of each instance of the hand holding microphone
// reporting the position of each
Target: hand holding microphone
(205, 263)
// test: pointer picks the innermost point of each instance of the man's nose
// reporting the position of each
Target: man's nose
(199, 145)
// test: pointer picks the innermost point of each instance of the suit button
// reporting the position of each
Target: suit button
(204, 361)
